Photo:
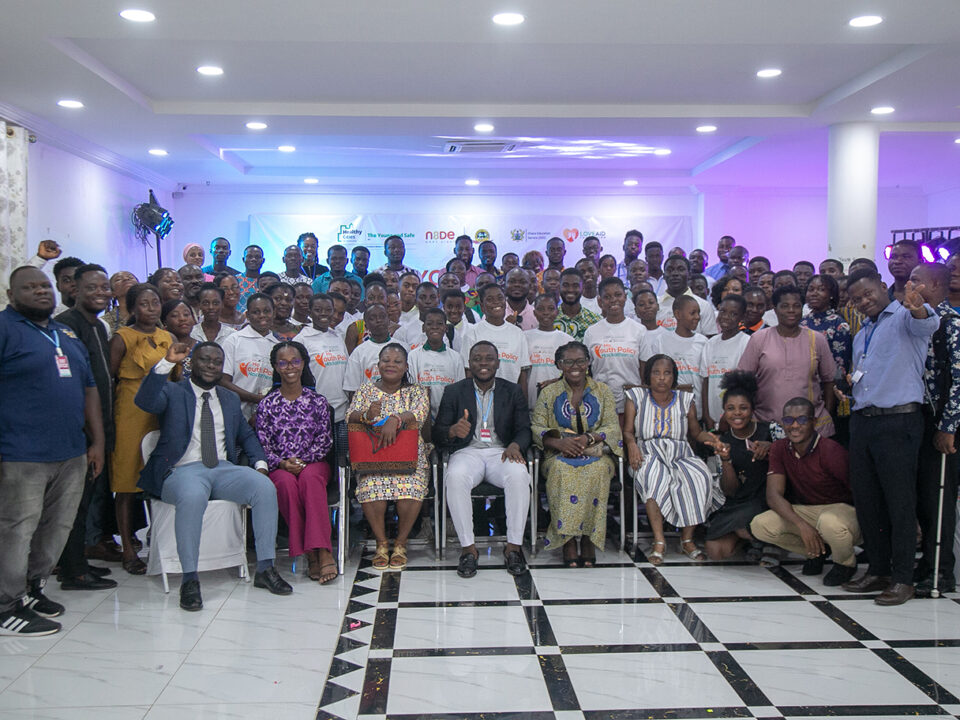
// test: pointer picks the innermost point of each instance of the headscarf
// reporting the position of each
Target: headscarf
(187, 249)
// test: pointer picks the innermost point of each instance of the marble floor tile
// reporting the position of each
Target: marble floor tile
(467, 684)
(724, 581)
(264, 676)
(110, 630)
(455, 627)
(616, 624)
(12, 666)
(447, 586)
(598, 582)
(827, 677)
(942, 664)
(128, 712)
(66, 680)
(234, 711)
(914, 620)
(611, 681)
(276, 631)
(788, 621)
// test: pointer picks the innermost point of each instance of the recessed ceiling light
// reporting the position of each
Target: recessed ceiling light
(630, 183)
(769, 73)
(70, 104)
(483, 127)
(865, 21)
(707, 128)
(138, 15)
(471, 181)
(311, 181)
(211, 70)
(254, 125)
(957, 141)
(159, 152)
(508, 18)
(286, 148)
(882, 110)
(662, 151)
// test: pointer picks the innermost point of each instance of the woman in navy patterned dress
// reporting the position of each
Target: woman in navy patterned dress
(293, 424)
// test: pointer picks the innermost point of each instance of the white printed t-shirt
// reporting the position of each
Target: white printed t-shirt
(510, 344)
(435, 370)
(542, 348)
(363, 364)
(615, 352)
(687, 353)
(708, 315)
(246, 357)
(720, 356)
(328, 363)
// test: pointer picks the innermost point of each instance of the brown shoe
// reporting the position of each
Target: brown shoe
(867, 583)
(896, 594)
(104, 550)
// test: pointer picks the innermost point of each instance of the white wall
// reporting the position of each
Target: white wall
(943, 208)
(86, 208)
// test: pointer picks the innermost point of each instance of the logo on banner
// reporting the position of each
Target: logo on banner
(517, 234)
(348, 234)
(439, 235)
(480, 236)
(570, 234)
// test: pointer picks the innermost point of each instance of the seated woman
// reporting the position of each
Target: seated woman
(574, 421)
(659, 423)
(294, 426)
(399, 404)
(178, 320)
(742, 450)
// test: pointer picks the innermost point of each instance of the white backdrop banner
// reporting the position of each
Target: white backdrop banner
(430, 238)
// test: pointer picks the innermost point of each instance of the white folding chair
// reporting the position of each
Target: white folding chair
(223, 537)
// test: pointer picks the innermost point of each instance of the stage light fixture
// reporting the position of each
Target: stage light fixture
(150, 217)
(926, 252)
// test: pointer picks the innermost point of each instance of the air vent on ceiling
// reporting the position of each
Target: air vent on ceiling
(480, 146)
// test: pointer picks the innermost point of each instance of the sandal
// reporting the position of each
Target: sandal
(136, 566)
(770, 557)
(655, 557)
(570, 559)
(327, 577)
(381, 558)
(696, 554)
(398, 561)
(313, 565)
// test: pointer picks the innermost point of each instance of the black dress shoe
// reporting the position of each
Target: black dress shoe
(838, 575)
(867, 583)
(924, 587)
(87, 582)
(813, 566)
(98, 571)
(896, 594)
(467, 567)
(271, 580)
(105, 550)
(515, 562)
(190, 596)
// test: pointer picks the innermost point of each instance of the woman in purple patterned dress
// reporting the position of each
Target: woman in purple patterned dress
(293, 424)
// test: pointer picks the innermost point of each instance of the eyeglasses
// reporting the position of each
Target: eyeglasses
(801, 421)
(284, 364)
(574, 362)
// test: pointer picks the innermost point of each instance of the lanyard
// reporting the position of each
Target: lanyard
(869, 336)
(55, 340)
(484, 412)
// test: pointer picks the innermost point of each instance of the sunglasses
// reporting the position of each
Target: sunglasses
(802, 420)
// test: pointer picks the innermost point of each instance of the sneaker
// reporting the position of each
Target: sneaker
(40, 604)
(24, 622)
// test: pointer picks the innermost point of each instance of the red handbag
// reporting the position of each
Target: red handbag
(365, 458)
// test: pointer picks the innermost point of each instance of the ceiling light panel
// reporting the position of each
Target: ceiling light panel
(508, 18)
(769, 73)
(863, 21)
(210, 70)
(70, 104)
(256, 125)
(138, 16)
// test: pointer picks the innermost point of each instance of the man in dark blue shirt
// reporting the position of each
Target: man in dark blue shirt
(49, 397)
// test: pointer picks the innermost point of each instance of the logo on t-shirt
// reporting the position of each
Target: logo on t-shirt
(509, 357)
(429, 377)
(541, 359)
(330, 358)
(256, 369)
(612, 350)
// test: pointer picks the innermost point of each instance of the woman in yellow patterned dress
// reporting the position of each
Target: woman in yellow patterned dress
(134, 350)
(398, 404)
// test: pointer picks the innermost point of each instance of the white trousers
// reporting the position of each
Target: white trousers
(466, 469)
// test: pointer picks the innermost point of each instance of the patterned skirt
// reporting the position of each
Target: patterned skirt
(678, 481)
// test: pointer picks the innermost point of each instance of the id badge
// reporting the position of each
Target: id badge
(486, 435)
(856, 377)
(63, 366)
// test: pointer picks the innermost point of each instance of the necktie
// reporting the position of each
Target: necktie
(450, 331)
(208, 436)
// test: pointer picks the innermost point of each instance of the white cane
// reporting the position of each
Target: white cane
(935, 592)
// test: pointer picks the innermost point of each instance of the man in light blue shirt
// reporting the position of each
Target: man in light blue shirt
(886, 430)
(722, 266)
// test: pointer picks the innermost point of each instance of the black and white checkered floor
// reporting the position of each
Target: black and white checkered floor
(628, 640)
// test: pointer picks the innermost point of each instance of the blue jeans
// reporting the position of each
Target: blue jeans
(189, 487)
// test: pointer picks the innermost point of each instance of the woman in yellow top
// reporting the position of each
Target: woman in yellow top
(134, 350)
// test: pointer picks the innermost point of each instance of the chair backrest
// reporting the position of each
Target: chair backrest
(148, 443)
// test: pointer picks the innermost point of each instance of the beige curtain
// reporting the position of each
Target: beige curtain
(13, 202)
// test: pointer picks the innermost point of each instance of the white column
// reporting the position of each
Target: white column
(852, 191)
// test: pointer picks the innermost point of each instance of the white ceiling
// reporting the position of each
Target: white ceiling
(369, 91)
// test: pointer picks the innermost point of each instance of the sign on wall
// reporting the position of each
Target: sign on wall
(430, 239)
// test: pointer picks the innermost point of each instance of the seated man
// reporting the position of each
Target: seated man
(195, 461)
(484, 423)
(808, 491)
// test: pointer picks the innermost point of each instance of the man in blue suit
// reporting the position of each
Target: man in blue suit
(201, 431)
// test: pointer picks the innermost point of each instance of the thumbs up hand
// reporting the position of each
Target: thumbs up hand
(461, 428)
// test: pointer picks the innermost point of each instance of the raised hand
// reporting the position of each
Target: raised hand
(177, 352)
(48, 250)
(912, 297)
(461, 428)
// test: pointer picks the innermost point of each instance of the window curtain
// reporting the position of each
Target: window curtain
(13, 202)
